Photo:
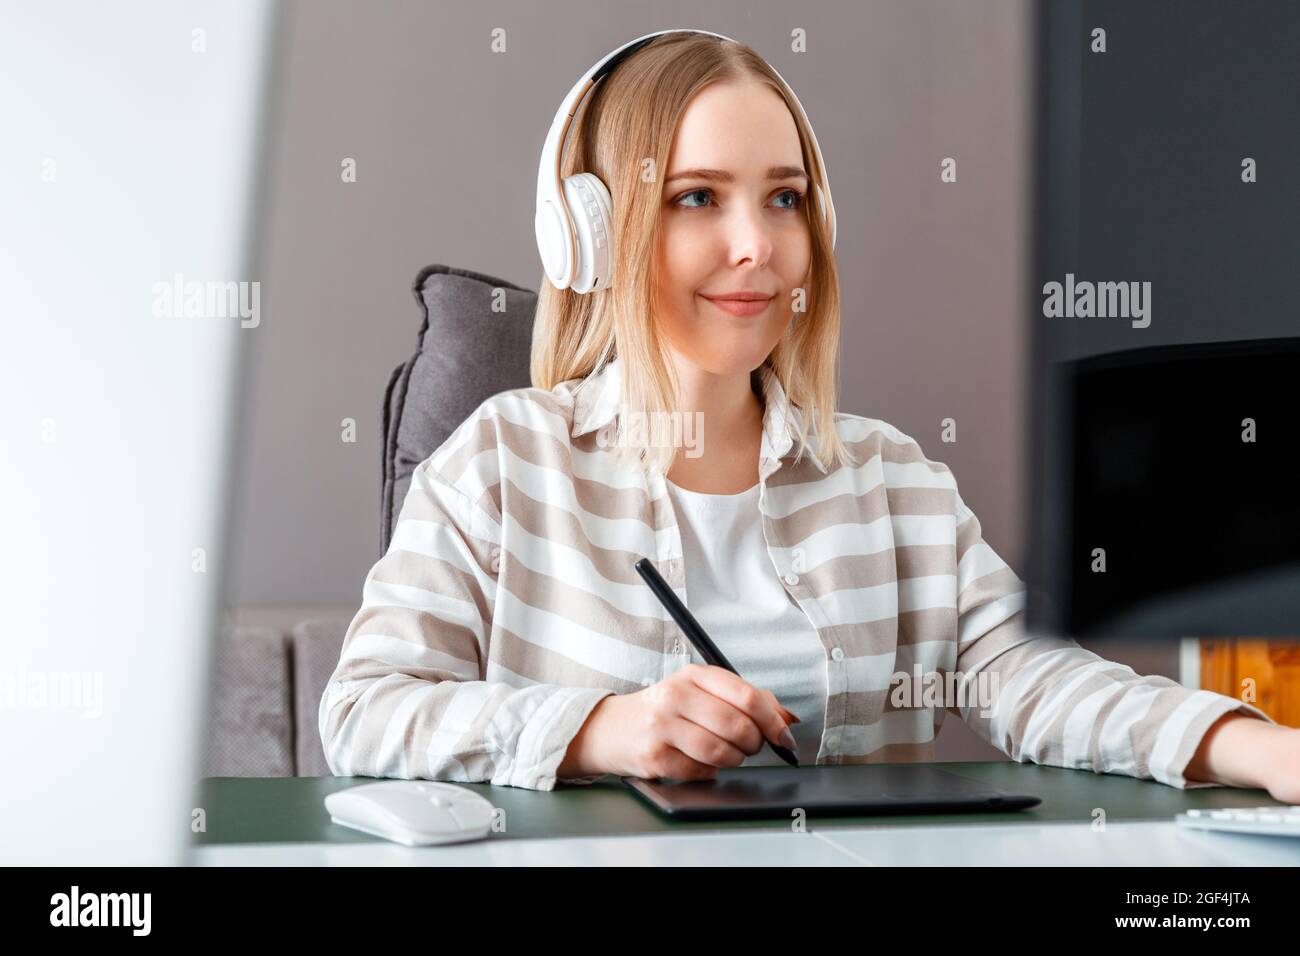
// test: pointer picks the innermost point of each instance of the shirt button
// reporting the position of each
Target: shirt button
(792, 579)
(837, 654)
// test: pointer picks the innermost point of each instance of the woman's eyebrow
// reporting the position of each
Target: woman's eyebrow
(722, 176)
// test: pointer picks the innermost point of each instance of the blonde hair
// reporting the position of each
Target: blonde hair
(630, 117)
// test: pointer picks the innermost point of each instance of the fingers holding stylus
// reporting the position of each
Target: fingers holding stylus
(692, 722)
(760, 706)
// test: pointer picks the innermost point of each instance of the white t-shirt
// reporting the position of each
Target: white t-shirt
(733, 590)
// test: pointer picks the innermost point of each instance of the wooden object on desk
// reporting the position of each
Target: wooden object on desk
(1272, 663)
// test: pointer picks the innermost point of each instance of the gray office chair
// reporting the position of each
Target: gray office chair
(466, 352)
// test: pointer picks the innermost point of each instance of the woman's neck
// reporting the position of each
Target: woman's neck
(730, 437)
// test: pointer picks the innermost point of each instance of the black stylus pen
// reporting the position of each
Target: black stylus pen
(696, 635)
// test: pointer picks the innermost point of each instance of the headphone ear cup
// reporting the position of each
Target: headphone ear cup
(592, 211)
(551, 242)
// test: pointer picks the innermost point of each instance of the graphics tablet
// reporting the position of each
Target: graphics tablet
(866, 789)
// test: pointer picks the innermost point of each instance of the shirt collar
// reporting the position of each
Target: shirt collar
(596, 404)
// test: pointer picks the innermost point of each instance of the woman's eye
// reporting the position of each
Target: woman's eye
(798, 198)
(693, 192)
(796, 202)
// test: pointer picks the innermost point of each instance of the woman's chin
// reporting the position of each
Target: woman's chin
(732, 362)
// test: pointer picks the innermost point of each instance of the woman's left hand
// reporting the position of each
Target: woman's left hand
(1240, 750)
(1282, 774)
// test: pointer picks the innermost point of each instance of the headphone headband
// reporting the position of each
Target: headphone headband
(575, 247)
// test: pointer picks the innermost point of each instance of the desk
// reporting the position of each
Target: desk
(281, 821)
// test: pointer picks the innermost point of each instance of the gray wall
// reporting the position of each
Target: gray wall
(446, 135)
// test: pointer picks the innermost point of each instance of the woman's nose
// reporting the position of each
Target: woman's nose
(750, 237)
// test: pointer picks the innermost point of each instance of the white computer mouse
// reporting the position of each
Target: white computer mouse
(413, 812)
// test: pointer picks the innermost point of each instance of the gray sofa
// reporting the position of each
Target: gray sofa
(267, 687)
(473, 342)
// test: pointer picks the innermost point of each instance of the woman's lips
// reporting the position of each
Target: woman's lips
(741, 306)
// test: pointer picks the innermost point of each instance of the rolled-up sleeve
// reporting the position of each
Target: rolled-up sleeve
(1048, 700)
(407, 698)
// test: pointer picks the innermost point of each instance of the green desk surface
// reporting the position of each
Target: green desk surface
(292, 809)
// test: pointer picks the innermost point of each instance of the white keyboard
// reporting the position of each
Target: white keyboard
(1272, 821)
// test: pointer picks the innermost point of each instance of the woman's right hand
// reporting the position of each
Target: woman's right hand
(685, 727)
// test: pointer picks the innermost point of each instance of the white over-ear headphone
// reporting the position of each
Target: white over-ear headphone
(574, 214)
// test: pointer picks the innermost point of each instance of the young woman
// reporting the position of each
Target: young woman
(505, 635)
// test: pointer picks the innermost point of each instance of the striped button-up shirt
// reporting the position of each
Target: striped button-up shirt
(507, 607)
